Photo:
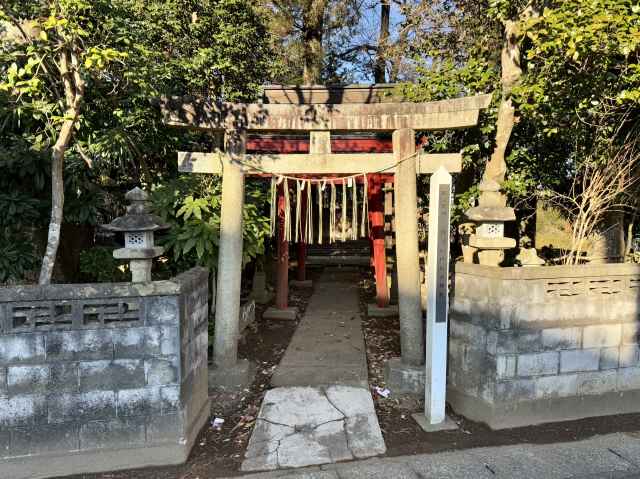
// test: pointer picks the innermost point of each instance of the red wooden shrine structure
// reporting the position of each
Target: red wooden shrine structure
(375, 193)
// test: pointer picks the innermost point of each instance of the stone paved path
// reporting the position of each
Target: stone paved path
(321, 410)
(612, 456)
(328, 346)
(303, 426)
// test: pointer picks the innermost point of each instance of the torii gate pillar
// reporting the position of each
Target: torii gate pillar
(377, 234)
(281, 309)
(282, 253)
(409, 299)
(228, 371)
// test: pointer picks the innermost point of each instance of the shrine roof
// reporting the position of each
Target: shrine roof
(340, 143)
(331, 94)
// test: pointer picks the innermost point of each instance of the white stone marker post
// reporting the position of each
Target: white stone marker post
(434, 417)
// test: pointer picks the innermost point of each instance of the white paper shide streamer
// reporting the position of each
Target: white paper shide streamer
(346, 208)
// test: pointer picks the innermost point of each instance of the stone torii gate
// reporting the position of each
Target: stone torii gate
(319, 111)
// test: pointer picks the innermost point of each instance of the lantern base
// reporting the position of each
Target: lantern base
(491, 257)
(140, 270)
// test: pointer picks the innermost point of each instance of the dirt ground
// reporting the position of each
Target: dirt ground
(219, 453)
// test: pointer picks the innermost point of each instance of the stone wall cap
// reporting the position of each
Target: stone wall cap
(192, 278)
(174, 286)
(550, 272)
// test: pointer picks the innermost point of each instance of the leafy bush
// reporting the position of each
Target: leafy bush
(25, 186)
(23, 203)
(17, 258)
(85, 200)
(191, 205)
(97, 265)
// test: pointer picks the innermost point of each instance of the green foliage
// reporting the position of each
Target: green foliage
(634, 253)
(195, 221)
(128, 52)
(443, 79)
(597, 44)
(456, 51)
(583, 70)
(84, 197)
(191, 205)
(132, 51)
(17, 209)
(97, 265)
(503, 10)
(23, 205)
(255, 221)
(579, 88)
(24, 200)
(215, 48)
(22, 184)
(55, 43)
(286, 22)
(17, 258)
(462, 202)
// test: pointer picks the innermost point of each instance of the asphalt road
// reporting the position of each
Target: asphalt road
(613, 456)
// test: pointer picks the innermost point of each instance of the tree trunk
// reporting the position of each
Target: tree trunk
(511, 73)
(57, 197)
(313, 20)
(396, 58)
(380, 66)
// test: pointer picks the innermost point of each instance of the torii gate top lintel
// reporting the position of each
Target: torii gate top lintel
(273, 113)
(310, 109)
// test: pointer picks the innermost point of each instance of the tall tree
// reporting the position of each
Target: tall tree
(312, 38)
(576, 86)
(510, 76)
(380, 66)
(313, 13)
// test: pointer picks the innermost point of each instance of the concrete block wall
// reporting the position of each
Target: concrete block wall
(535, 345)
(101, 377)
(194, 394)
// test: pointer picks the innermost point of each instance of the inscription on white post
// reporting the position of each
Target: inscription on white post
(437, 303)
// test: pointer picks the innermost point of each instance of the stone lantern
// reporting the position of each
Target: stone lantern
(528, 255)
(138, 226)
(490, 216)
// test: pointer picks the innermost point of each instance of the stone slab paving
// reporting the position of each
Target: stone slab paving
(303, 426)
(321, 410)
(328, 345)
(614, 456)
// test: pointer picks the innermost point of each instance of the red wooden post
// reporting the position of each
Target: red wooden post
(282, 283)
(302, 243)
(376, 215)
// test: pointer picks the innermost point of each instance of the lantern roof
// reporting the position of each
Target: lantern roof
(138, 216)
